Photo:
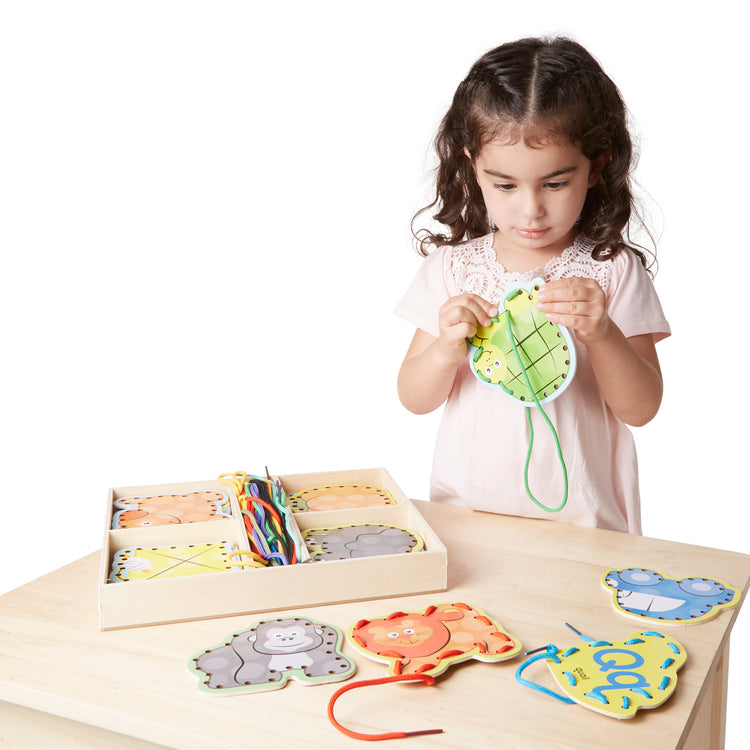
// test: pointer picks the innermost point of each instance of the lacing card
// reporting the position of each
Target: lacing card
(528, 359)
(162, 510)
(646, 594)
(360, 540)
(149, 563)
(521, 353)
(339, 497)
(269, 654)
(431, 640)
(614, 678)
(418, 646)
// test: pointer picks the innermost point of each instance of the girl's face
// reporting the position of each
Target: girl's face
(534, 195)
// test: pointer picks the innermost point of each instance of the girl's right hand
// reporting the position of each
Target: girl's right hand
(459, 319)
(429, 368)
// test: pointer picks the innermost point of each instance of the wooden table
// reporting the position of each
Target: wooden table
(65, 684)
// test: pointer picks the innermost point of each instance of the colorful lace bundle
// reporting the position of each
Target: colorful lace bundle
(267, 517)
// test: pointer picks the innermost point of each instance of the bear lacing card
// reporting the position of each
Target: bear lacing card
(646, 594)
(270, 653)
(527, 358)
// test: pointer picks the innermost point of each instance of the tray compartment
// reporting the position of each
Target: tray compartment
(250, 590)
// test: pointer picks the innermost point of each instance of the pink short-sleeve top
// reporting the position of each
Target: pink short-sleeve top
(483, 436)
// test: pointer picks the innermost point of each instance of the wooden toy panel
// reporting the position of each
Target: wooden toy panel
(245, 590)
(178, 535)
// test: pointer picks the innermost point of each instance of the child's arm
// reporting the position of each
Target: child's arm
(626, 369)
(429, 367)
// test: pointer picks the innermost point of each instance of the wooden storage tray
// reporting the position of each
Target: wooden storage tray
(246, 590)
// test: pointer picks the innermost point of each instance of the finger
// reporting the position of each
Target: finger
(567, 307)
(479, 306)
(488, 307)
(458, 331)
(572, 288)
(464, 330)
(585, 326)
(570, 320)
(463, 315)
(478, 309)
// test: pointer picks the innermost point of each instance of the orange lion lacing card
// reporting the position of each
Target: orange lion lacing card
(430, 641)
(417, 646)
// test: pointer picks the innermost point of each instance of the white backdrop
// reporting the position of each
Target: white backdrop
(204, 228)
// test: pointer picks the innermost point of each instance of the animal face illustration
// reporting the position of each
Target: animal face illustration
(271, 652)
(271, 639)
(413, 635)
(648, 594)
(490, 364)
(431, 640)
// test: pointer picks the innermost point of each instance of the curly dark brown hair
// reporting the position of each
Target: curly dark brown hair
(536, 90)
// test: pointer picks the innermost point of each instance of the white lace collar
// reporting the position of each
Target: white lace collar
(476, 269)
(486, 245)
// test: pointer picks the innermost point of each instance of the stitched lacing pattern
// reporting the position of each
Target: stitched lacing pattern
(476, 269)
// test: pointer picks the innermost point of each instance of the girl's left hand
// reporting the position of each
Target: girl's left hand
(577, 303)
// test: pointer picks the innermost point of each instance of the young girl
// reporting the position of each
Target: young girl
(533, 182)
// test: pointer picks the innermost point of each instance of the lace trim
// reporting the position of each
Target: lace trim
(475, 268)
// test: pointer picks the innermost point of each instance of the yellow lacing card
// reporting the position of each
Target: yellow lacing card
(150, 563)
(614, 678)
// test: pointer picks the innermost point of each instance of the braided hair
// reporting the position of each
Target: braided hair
(540, 91)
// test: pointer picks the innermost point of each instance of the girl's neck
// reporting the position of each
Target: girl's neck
(515, 259)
